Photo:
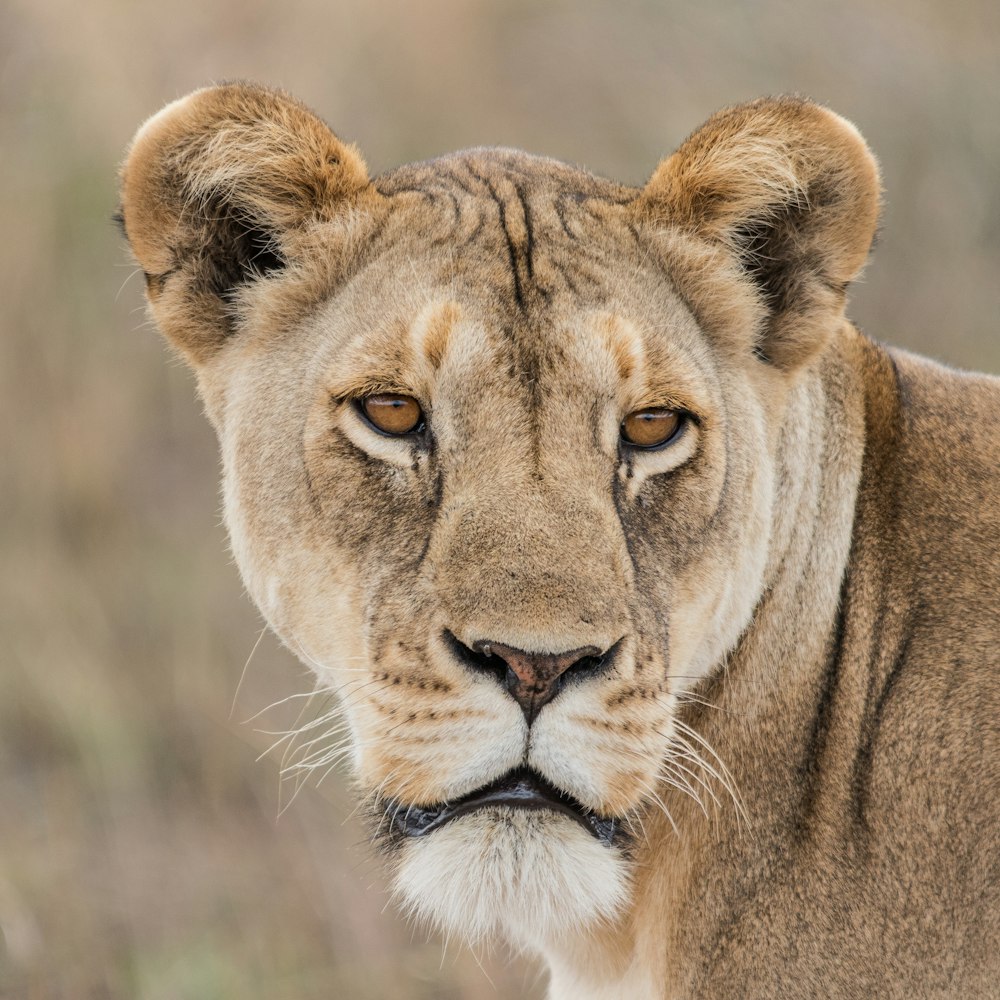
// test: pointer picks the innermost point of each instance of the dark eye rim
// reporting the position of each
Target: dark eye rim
(685, 418)
(419, 431)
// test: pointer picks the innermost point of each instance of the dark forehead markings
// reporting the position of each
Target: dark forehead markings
(529, 244)
(433, 193)
(517, 252)
(456, 175)
(520, 254)
(456, 209)
(559, 204)
(535, 202)
(569, 276)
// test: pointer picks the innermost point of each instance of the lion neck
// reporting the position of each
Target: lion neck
(757, 714)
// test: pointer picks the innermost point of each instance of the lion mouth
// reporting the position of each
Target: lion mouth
(518, 789)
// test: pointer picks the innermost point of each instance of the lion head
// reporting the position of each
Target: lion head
(508, 455)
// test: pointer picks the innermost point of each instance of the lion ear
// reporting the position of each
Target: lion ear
(789, 191)
(220, 190)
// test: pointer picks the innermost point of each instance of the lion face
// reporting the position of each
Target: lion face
(514, 531)
(509, 592)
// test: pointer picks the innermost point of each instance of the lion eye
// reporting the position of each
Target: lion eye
(392, 413)
(651, 428)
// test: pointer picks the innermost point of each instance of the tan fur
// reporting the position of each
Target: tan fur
(799, 732)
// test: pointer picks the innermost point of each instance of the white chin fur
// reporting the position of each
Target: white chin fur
(529, 877)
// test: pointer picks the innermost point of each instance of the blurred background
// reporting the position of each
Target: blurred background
(141, 850)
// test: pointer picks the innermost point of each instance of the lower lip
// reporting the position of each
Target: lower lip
(517, 794)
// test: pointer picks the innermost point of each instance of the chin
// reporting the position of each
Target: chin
(533, 877)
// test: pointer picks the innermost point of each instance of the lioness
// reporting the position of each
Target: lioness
(662, 603)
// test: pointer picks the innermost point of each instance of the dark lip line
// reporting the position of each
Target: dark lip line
(521, 788)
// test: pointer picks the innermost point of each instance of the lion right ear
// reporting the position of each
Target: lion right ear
(785, 194)
(222, 189)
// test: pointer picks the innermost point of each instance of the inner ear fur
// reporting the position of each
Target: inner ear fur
(788, 192)
(220, 189)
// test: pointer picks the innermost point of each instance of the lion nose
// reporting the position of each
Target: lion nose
(532, 679)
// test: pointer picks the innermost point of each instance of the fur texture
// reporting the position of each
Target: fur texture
(799, 731)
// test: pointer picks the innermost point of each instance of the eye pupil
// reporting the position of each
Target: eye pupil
(650, 428)
(392, 413)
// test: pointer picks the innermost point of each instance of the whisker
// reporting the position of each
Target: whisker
(663, 808)
(243, 672)
(722, 774)
(673, 761)
(276, 704)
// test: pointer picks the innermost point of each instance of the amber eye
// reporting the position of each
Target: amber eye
(392, 413)
(651, 428)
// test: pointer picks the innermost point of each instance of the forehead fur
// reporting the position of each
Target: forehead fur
(528, 250)
(522, 227)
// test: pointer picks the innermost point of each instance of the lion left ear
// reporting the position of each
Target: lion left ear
(222, 189)
(790, 192)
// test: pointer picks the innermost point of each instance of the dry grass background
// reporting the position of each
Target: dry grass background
(140, 853)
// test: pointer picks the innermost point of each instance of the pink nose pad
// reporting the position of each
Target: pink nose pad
(534, 679)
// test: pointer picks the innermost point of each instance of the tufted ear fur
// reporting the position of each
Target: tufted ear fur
(222, 189)
(789, 192)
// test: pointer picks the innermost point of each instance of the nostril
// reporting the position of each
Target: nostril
(593, 664)
(584, 666)
(480, 660)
